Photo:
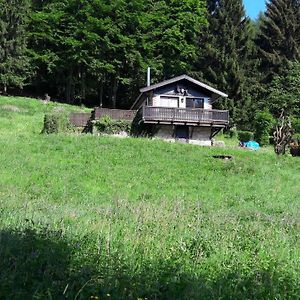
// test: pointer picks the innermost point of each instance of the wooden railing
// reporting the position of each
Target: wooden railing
(80, 119)
(186, 115)
(116, 114)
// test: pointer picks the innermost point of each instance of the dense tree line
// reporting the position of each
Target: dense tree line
(99, 49)
(96, 52)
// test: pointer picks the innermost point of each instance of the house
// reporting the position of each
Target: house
(181, 108)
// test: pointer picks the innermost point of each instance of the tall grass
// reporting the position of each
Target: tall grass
(85, 217)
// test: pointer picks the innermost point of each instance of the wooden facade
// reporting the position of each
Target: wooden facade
(182, 108)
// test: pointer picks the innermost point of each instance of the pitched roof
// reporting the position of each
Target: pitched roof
(178, 78)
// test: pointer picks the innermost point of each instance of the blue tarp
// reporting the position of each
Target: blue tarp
(251, 145)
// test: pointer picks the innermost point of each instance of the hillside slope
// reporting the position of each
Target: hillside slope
(134, 218)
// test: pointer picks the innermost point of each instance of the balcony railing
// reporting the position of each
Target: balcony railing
(185, 115)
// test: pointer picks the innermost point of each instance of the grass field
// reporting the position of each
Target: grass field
(86, 217)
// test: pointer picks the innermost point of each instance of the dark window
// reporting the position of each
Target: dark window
(195, 102)
(182, 132)
(199, 103)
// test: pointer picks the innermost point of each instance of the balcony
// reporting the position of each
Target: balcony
(185, 116)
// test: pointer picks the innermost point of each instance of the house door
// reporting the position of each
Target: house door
(182, 132)
(182, 102)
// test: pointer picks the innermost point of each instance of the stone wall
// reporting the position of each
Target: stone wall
(165, 132)
(198, 135)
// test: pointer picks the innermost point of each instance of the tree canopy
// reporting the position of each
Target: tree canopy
(101, 49)
(279, 37)
(14, 67)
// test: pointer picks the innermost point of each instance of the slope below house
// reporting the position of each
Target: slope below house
(181, 108)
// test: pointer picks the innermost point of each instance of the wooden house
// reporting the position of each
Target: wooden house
(181, 108)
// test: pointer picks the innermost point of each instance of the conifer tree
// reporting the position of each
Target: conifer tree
(279, 38)
(13, 58)
(226, 47)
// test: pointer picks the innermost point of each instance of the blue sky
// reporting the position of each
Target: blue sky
(253, 7)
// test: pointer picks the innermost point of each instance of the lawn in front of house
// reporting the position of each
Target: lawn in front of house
(83, 216)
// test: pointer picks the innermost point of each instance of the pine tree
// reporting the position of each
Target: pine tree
(14, 67)
(279, 38)
(226, 47)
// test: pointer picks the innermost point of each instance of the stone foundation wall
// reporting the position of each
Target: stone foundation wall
(165, 132)
(198, 135)
(200, 143)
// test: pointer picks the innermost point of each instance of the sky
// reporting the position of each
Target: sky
(254, 7)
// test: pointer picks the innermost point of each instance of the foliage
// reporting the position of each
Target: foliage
(109, 126)
(226, 48)
(100, 50)
(278, 40)
(284, 92)
(14, 64)
(263, 124)
(245, 136)
(232, 132)
(296, 124)
(296, 137)
(56, 122)
(84, 217)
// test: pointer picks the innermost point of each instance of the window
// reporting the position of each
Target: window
(168, 101)
(195, 102)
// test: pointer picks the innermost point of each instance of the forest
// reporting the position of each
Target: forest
(96, 52)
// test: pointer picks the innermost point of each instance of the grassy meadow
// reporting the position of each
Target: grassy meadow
(89, 217)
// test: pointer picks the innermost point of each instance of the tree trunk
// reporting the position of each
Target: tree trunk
(100, 93)
(114, 92)
(83, 87)
(69, 86)
(282, 134)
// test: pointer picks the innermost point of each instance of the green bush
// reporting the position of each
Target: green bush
(296, 137)
(232, 132)
(263, 124)
(56, 122)
(296, 125)
(245, 136)
(109, 126)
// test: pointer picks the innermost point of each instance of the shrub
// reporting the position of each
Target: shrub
(56, 122)
(245, 136)
(232, 132)
(109, 126)
(263, 124)
(296, 125)
(296, 137)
